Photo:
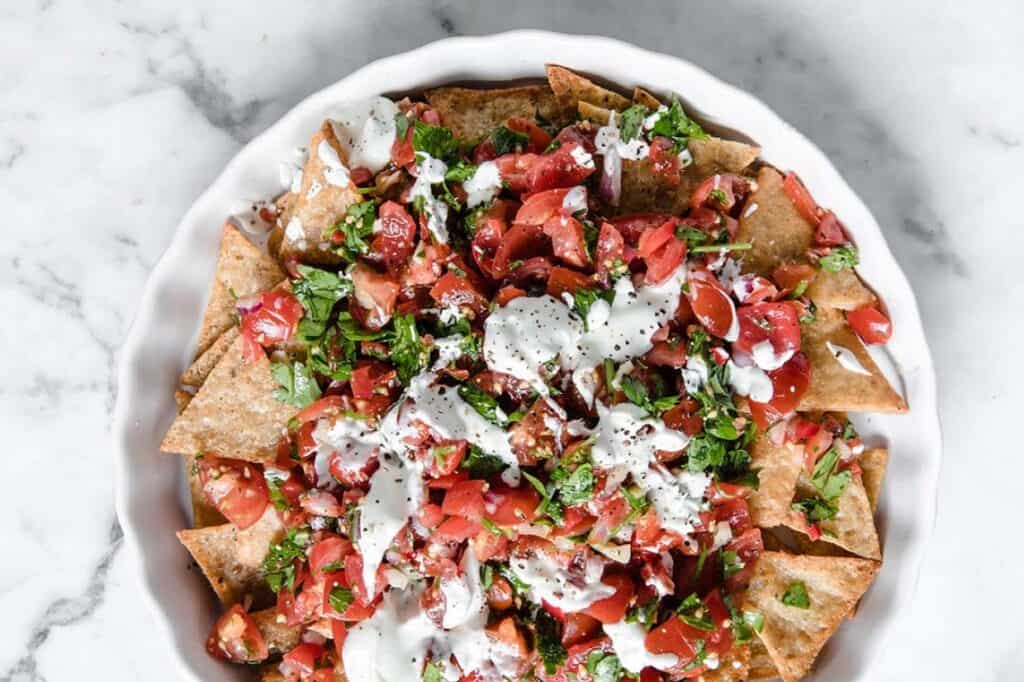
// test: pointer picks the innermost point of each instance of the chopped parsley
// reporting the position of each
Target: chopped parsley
(637, 393)
(731, 563)
(841, 257)
(296, 384)
(796, 596)
(278, 567)
(318, 291)
(604, 667)
(506, 140)
(829, 482)
(677, 126)
(356, 227)
(437, 141)
(644, 614)
(485, 404)
(340, 598)
(584, 299)
(460, 172)
(631, 122)
(480, 464)
(549, 642)
(408, 352)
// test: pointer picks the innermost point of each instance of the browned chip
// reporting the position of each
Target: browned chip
(318, 205)
(641, 96)
(590, 112)
(853, 527)
(873, 463)
(571, 88)
(833, 387)
(761, 666)
(279, 636)
(203, 513)
(182, 399)
(243, 269)
(234, 414)
(643, 189)
(779, 466)
(270, 672)
(230, 558)
(473, 113)
(793, 636)
(771, 224)
(196, 374)
(732, 667)
(843, 290)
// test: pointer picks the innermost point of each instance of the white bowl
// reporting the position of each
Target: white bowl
(162, 338)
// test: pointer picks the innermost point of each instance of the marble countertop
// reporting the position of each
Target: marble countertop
(114, 116)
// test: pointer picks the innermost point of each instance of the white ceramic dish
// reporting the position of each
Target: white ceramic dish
(161, 341)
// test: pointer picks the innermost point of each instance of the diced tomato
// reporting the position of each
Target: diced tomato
(321, 503)
(789, 383)
(508, 293)
(326, 552)
(301, 660)
(576, 522)
(612, 609)
(500, 595)
(371, 379)
(720, 192)
(751, 289)
(735, 512)
(273, 320)
(514, 170)
(801, 198)
(635, 224)
(612, 513)
(567, 240)
(507, 506)
(563, 280)
(790, 276)
(667, 354)
(665, 159)
(456, 291)
(457, 528)
(679, 639)
(348, 581)
(236, 638)
(539, 207)
(338, 633)
(816, 446)
(402, 152)
(539, 138)
(396, 239)
(830, 231)
(446, 482)
(489, 545)
(375, 294)
(773, 323)
(425, 266)
(685, 417)
(661, 251)
(711, 304)
(327, 405)
(445, 457)
(566, 166)
(430, 515)
(579, 627)
(506, 632)
(520, 243)
(236, 488)
(748, 548)
(870, 325)
(539, 435)
(609, 254)
(465, 499)
(490, 230)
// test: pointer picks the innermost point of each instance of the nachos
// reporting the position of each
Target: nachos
(534, 383)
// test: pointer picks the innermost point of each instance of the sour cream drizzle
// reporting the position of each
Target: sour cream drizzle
(846, 358)
(431, 171)
(551, 583)
(366, 130)
(628, 642)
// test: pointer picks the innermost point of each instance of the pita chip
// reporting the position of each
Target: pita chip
(196, 374)
(279, 636)
(243, 269)
(771, 224)
(182, 399)
(853, 387)
(779, 468)
(843, 290)
(760, 666)
(472, 113)
(571, 88)
(234, 414)
(231, 558)
(644, 190)
(203, 513)
(853, 527)
(732, 667)
(794, 636)
(321, 202)
(641, 96)
(873, 463)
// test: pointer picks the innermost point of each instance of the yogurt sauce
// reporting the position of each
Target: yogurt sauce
(628, 642)
(846, 358)
(366, 131)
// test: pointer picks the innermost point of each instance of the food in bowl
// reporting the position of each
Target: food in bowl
(538, 382)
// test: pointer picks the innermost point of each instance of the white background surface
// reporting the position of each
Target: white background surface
(114, 117)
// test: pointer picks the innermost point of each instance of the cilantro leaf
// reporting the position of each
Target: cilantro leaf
(631, 122)
(297, 386)
(731, 563)
(401, 125)
(437, 141)
(340, 598)
(677, 126)
(319, 290)
(604, 667)
(480, 464)
(584, 299)
(549, 642)
(638, 394)
(796, 596)
(408, 352)
(356, 227)
(460, 172)
(816, 509)
(506, 140)
(483, 403)
(578, 487)
(841, 257)
(830, 483)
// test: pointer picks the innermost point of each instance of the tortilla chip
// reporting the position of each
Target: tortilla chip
(473, 113)
(571, 88)
(732, 667)
(771, 224)
(182, 399)
(853, 528)
(589, 112)
(833, 387)
(230, 558)
(780, 467)
(644, 190)
(280, 637)
(196, 374)
(641, 96)
(873, 463)
(234, 414)
(243, 269)
(317, 206)
(760, 666)
(203, 513)
(794, 636)
(843, 290)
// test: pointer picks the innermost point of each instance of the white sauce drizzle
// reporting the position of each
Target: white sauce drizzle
(335, 171)
(628, 642)
(551, 583)
(395, 495)
(431, 172)
(846, 358)
(366, 130)
(484, 185)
